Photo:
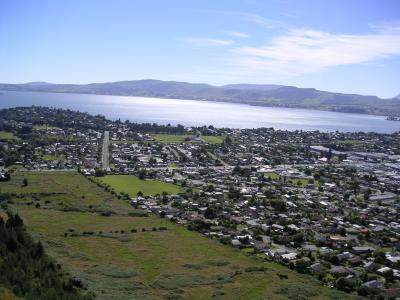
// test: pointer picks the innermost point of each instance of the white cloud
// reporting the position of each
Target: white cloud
(206, 42)
(302, 51)
(258, 20)
(237, 34)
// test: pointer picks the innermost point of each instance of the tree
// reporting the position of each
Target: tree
(302, 265)
(209, 213)
(142, 174)
(278, 205)
(99, 172)
(346, 285)
(298, 238)
(228, 140)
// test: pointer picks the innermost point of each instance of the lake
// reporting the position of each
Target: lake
(198, 113)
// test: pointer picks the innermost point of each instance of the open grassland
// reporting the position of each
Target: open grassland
(67, 191)
(170, 138)
(132, 185)
(212, 139)
(8, 136)
(125, 257)
(115, 262)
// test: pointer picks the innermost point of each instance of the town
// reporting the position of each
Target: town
(321, 203)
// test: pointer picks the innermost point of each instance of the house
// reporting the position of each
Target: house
(309, 247)
(371, 266)
(236, 243)
(363, 250)
(288, 256)
(355, 261)
(373, 284)
(344, 256)
(339, 271)
(316, 268)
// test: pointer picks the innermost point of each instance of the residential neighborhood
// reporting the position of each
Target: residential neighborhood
(322, 203)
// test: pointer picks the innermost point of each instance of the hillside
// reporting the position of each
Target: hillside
(260, 95)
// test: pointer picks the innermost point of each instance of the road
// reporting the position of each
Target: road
(105, 155)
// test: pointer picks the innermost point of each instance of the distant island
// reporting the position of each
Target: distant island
(252, 94)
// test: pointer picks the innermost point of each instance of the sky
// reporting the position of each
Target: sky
(350, 46)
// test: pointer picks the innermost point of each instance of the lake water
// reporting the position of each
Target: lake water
(198, 113)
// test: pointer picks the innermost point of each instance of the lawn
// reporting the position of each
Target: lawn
(125, 257)
(51, 157)
(132, 185)
(212, 139)
(8, 136)
(170, 138)
(272, 175)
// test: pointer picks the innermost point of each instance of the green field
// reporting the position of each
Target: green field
(170, 138)
(212, 139)
(51, 157)
(8, 136)
(272, 175)
(132, 185)
(117, 259)
(67, 191)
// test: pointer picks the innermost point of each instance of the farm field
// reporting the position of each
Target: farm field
(132, 185)
(124, 257)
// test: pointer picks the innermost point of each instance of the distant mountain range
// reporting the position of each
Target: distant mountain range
(253, 94)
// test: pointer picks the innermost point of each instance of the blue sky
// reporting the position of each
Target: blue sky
(342, 45)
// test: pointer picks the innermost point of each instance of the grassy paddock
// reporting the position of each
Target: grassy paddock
(156, 263)
(69, 191)
(132, 185)
(170, 138)
(212, 139)
(125, 257)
